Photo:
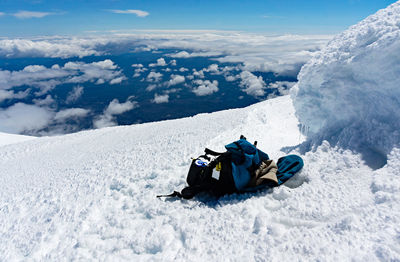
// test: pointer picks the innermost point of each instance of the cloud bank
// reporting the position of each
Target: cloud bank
(283, 54)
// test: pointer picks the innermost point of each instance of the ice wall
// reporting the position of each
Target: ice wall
(349, 92)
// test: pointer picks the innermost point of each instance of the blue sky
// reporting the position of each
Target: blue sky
(19, 18)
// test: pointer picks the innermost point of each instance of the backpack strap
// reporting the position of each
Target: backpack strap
(174, 194)
(211, 152)
(188, 192)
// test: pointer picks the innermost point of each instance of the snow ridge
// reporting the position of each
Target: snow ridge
(348, 93)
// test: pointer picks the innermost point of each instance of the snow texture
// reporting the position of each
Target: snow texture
(6, 139)
(90, 196)
(349, 94)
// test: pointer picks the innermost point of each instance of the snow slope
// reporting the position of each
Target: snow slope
(349, 92)
(6, 139)
(90, 196)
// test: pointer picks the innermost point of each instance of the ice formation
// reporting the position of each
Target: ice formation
(349, 92)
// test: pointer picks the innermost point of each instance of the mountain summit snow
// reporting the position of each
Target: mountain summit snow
(349, 92)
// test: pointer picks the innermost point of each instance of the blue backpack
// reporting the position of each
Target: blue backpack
(231, 171)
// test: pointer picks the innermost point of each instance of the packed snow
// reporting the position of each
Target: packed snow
(91, 196)
(6, 139)
(349, 92)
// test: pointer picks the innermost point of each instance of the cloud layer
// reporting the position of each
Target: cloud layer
(282, 54)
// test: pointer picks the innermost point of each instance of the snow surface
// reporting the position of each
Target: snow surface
(6, 139)
(90, 196)
(349, 92)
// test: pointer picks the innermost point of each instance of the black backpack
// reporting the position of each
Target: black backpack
(212, 172)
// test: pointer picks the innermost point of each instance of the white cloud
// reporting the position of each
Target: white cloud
(117, 80)
(230, 78)
(114, 108)
(212, 68)
(139, 70)
(160, 62)
(183, 69)
(24, 118)
(4, 94)
(31, 14)
(181, 54)
(176, 79)
(185, 54)
(72, 72)
(173, 62)
(71, 113)
(139, 13)
(44, 102)
(227, 69)
(199, 74)
(283, 87)
(117, 108)
(36, 68)
(154, 77)
(33, 75)
(137, 65)
(172, 90)
(158, 99)
(52, 47)
(205, 87)
(151, 87)
(74, 95)
(1, 13)
(104, 121)
(252, 84)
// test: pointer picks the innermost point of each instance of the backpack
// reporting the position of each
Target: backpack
(231, 171)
